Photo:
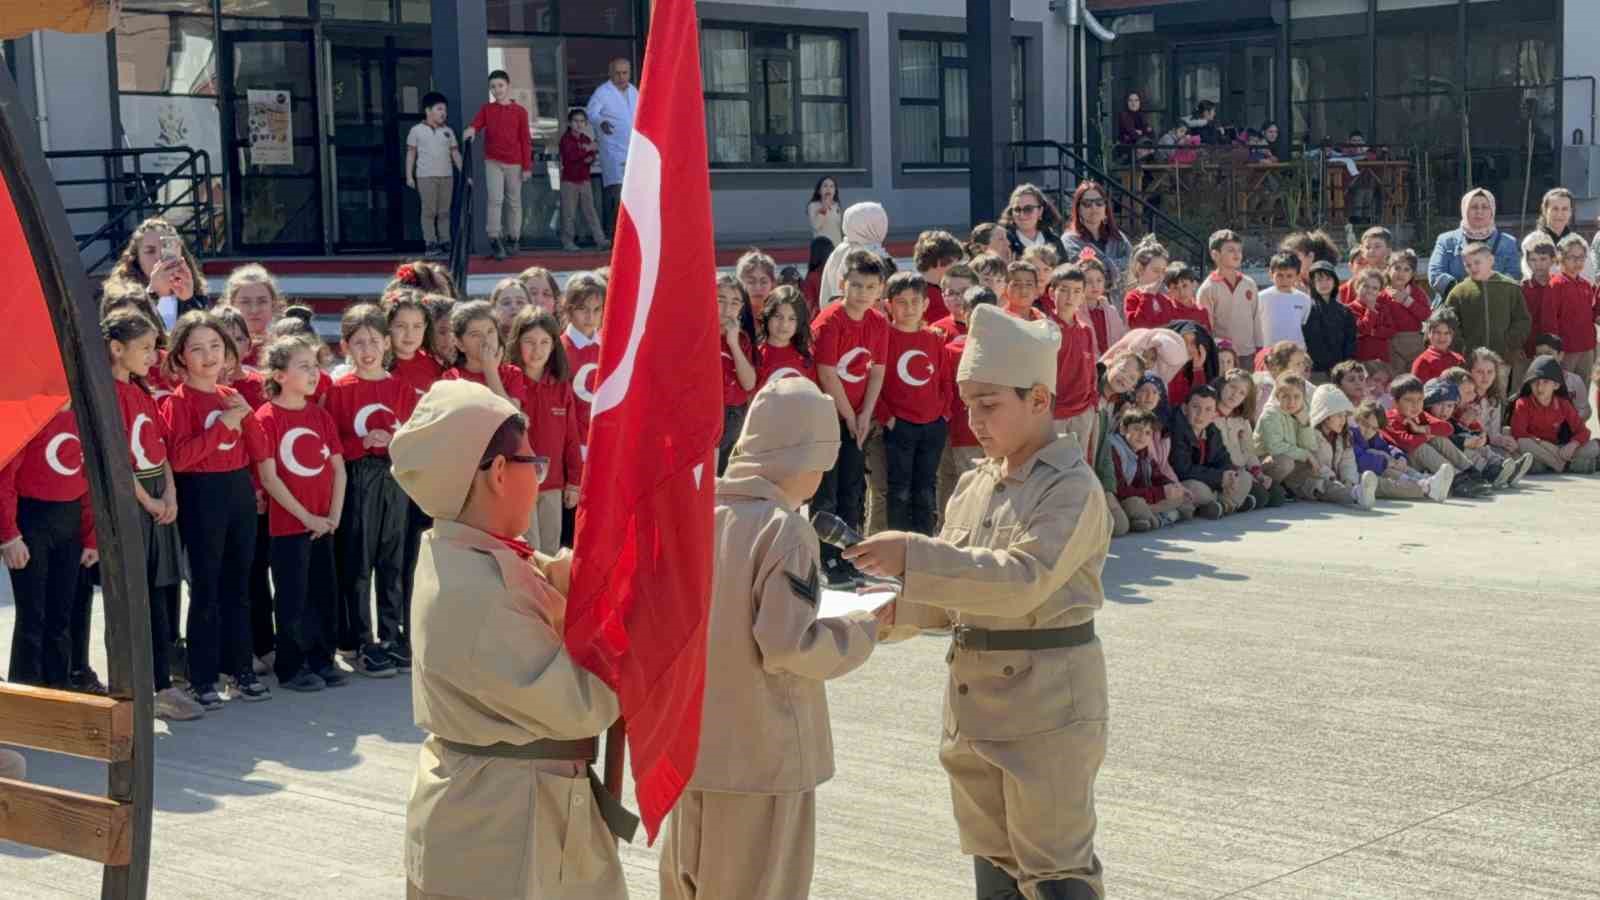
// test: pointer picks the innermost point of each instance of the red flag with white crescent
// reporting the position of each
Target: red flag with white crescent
(641, 579)
(33, 384)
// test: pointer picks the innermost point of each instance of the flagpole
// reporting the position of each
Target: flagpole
(616, 746)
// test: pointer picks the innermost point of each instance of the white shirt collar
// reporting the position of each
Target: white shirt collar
(578, 340)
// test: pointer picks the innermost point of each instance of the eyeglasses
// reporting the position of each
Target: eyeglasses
(1028, 210)
(1092, 201)
(541, 464)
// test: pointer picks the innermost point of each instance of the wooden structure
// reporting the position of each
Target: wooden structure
(113, 829)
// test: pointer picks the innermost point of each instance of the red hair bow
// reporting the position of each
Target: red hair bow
(1086, 253)
(407, 275)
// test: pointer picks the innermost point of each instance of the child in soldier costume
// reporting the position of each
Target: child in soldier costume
(503, 804)
(745, 827)
(1016, 572)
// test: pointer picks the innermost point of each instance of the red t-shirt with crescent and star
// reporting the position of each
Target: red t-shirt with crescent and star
(360, 406)
(783, 362)
(851, 346)
(147, 437)
(301, 444)
(419, 372)
(914, 382)
(583, 361)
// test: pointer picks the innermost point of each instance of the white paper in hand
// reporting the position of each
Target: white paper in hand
(842, 603)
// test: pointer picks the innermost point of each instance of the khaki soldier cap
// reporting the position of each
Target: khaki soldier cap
(791, 428)
(1003, 349)
(436, 452)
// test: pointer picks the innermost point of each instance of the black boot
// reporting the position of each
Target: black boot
(992, 881)
(1066, 889)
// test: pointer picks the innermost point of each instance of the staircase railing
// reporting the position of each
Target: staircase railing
(140, 183)
(1056, 168)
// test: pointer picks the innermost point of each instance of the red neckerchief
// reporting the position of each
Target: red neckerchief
(516, 545)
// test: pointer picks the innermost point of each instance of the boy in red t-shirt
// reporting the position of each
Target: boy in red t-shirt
(1076, 378)
(852, 346)
(507, 161)
(915, 405)
(1182, 282)
(578, 153)
(962, 450)
(935, 252)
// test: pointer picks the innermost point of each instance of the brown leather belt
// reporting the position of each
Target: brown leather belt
(979, 640)
(618, 819)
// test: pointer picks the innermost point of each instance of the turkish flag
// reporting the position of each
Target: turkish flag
(33, 386)
(641, 579)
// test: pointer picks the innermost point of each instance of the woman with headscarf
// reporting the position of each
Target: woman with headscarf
(865, 226)
(1093, 227)
(1445, 266)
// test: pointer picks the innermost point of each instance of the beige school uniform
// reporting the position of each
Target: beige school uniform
(489, 667)
(745, 828)
(1024, 731)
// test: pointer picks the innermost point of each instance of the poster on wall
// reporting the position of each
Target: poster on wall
(157, 121)
(271, 128)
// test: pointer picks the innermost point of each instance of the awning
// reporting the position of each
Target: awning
(19, 17)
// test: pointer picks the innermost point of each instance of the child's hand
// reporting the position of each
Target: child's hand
(15, 554)
(152, 506)
(569, 496)
(376, 438)
(1174, 492)
(885, 616)
(850, 425)
(88, 557)
(1474, 443)
(169, 510)
(318, 525)
(863, 428)
(237, 409)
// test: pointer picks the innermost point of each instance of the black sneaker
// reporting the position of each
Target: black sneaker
(303, 683)
(1211, 510)
(87, 681)
(840, 575)
(1276, 496)
(374, 663)
(499, 248)
(250, 689)
(209, 700)
(1247, 505)
(333, 676)
(399, 654)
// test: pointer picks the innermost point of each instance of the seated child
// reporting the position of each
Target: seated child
(1487, 368)
(1396, 479)
(1151, 396)
(1351, 378)
(1426, 440)
(1440, 398)
(1148, 497)
(1162, 351)
(1286, 441)
(1545, 422)
(1117, 380)
(1468, 421)
(1578, 389)
(1378, 377)
(1330, 420)
(1440, 331)
(1236, 420)
(1227, 357)
(1200, 459)
(1282, 358)
(1202, 367)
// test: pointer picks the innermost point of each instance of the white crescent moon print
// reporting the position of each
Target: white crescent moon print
(286, 453)
(140, 459)
(364, 412)
(843, 367)
(52, 455)
(905, 368)
(211, 419)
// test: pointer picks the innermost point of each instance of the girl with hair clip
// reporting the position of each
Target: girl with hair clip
(253, 291)
(442, 344)
(481, 356)
(552, 412)
(786, 348)
(1236, 419)
(1407, 299)
(508, 298)
(302, 469)
(543, 292)
(131, 345)
(1145, 304)
(411, 355)
(584, 300)
(1100, 314)
(155, 380)
(212, 439)
(157, 263)
(738, 331)
(425, 276)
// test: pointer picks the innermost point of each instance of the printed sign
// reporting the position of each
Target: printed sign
(271, 128)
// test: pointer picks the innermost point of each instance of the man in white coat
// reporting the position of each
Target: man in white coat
(611, 110)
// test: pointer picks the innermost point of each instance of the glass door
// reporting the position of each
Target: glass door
(1200, 74)
(274, 184)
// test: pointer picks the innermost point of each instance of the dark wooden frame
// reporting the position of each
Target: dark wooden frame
(74, 312)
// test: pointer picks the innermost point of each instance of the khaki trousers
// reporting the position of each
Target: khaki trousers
(1547, 456)
(1298, 477)
(1027, 805)
(1581, 365)
(1399, 489)
(955, 462)
(1230, 497)
(1404, 350)
(1119, 516)
(1435, 453)
(1137, 509)
(545, 532)
(739, 846)
(1082, 427)
(877, 481)
(434, 192)
(505, 199)
(576, 198)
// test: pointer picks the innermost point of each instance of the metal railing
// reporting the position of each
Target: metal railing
(175, 183)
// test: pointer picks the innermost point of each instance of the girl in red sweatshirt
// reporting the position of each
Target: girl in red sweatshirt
(131, 344)
(786, 349)
(552, 412)
(738, 332)
(414, 359)
(211, 440)
(302, 471)
(1546, 423)
(1408, 309)
(482, 358)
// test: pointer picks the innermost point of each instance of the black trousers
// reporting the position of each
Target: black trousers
(306, 579)
(83, 619)
(217, 518)
(46, 591)
(372, 539)
(417, 522)
(913, 453)
(843, 490)
(262, 641)
(732, 424)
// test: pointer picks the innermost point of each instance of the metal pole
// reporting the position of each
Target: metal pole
(461, 71)
(988, 102)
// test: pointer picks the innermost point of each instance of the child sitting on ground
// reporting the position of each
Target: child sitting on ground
(1330, 419)
(1282, 358)
(1200, 459)
(1117, 380)
(1577, 389)
(1440, 331)
(1285, 440)
(1202, 367)
(1469, 420)
(1439, 399)
(1148, 497)
(1151, 396)
(1485, 368)
(1236, 420)
(1396, 479)
(1378, 377)
(1545, 422)
(1351, 378)
(1425, 439)
(1227, 357)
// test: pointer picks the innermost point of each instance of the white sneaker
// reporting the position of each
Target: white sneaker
(1439, 484)
(1524, 465)
(175, 705)
(1366, 492)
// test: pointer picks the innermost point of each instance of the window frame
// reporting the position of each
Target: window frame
(755, 56)
(1017, 115)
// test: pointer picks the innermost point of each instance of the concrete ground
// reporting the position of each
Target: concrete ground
(1306, 703)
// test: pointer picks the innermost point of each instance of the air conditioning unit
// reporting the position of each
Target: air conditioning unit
(1580, 170)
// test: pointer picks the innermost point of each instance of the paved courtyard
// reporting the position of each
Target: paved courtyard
(1306, 703)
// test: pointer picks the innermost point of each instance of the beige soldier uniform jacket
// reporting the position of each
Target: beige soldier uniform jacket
(766, 728)
(1023, 552)
(489, 667)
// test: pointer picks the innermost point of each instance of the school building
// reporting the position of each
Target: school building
(278, 126)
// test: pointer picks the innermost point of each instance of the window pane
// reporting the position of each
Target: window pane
(368, 10)
(728, 130)
(919, 134)
(1428, 121)
(955, 49)
(596, 16)
(522, 15)
(825, 132)
(1333, 120)
(268, 9)
(955, 103)
(958, 156)
(1016, 69)
(1326, 69)
(416, 11)
(774, 97)
(821, 66)
(166, 54)
(725, 60)
(919, 70)
(1510, 57)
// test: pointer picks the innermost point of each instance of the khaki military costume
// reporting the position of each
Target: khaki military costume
(503, 804)
(745, 828)
(1016, 571)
